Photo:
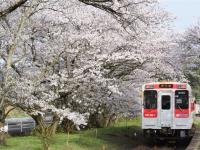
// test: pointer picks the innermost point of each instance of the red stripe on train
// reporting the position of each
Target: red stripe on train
(150, 113)
(181, 113)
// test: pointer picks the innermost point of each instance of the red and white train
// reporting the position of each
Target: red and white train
(167, 109)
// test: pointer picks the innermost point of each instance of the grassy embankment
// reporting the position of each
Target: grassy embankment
(197, 122)
(123, 135)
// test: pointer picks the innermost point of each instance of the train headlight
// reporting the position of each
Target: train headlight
(149, 86)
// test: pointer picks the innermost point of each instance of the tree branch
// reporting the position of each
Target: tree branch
(8, 111)
(5, 12)
(100, 4)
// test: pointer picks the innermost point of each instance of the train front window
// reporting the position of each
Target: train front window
(181, 99)
(150, 99)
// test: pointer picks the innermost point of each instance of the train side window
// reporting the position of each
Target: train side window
(181, 99)
(165, 102)
(150, 99)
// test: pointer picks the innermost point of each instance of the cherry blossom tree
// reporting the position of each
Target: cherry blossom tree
(189, 54)
(65, 60)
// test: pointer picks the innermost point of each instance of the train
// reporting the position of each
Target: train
(168, 110)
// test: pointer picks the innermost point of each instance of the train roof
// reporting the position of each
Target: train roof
(167, 82)
(161, 85)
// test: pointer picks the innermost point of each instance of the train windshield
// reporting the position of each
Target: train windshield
(181, 99)
(150, 99)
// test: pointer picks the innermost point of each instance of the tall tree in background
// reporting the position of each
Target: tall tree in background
(189, 44)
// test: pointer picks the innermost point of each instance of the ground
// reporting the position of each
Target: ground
(124, 135)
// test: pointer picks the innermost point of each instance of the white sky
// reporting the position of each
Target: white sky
(187, 12)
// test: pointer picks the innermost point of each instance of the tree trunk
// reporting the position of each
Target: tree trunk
(2, 135)
(67, 125)
(2, 124)
(46, 146)
(2, 139)
(45, 131)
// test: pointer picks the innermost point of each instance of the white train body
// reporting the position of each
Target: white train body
(167, 109)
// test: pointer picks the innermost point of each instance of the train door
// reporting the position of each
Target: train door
(166, 109)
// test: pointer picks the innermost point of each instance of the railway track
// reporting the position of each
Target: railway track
(164, 145)
(195, 142)
(182, 144)
(171, 145)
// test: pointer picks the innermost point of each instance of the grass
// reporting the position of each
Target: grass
(17, 113)
(197, 122)
(121, 136)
